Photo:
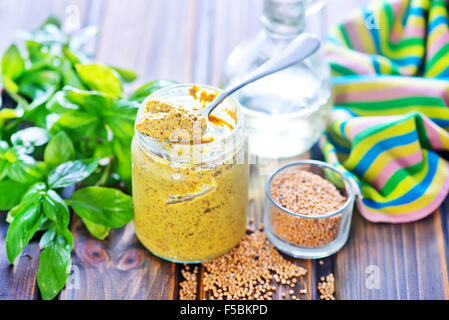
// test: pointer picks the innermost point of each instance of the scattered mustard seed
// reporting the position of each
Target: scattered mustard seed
(246, 272)
(188, 287)
(326, 288)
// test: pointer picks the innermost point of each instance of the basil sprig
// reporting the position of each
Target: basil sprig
(70, 123)
(43, 209)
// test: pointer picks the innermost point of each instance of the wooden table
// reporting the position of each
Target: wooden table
(188, 41)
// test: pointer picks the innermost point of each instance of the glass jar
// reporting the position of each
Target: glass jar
(190, 200)
(309, 236)
(286, 112)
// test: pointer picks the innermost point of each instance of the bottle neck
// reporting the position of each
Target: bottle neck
(284, 18)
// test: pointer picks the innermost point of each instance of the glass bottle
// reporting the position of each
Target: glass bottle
(286, 112)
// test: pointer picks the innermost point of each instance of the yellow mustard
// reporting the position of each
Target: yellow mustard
(190, 200)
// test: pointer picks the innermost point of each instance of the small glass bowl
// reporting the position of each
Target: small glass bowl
(303, 236)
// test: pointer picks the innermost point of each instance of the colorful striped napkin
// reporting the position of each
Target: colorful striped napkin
(391, 120)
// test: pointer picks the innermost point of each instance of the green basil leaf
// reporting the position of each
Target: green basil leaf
(76, 120)
(59, 104)
(80, 126)
(104, 206)
(11, 193)
(34, 195)
(39, 86)
(122, 151)
(38, 55)
(10, 154)
(56, 209)
(121, 117)
(41, 57)
(11, 87)
(144, 91)
(39, 80)
(36, 192)
(29, 138)
(98, 231)
(51, 235)
(89, 143)
(7, 114)
(90, 101)
(12, 213)
(12, 64)
(126, 75)
(69, 76)
(48, 237)
(65, 237)
(100, 78)
(45, 224)
(55, 264)
(60, 149)
(76, 56)
(4, 168)
(103, 150)
(37, 114)
(24, 170)
(71, 172)
(22, 228)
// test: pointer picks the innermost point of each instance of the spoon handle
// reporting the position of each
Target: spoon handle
(302, 47)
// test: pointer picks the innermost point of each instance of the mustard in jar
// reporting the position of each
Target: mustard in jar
(190, 175)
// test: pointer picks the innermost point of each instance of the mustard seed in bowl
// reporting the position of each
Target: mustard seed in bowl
(308, 194)
(308, 209)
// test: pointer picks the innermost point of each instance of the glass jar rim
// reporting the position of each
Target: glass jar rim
(230, 99)
(216, 148)
(348, 186)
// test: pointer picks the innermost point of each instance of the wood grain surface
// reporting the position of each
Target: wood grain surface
(117, 268)
(189, 41)
(17, 281)
(409, 259)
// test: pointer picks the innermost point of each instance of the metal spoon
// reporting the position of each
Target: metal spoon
(302, 47)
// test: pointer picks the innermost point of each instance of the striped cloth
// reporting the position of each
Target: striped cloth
(390, 125)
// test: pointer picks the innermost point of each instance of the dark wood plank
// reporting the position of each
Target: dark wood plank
(18, 281)
(409, 259)
(117, 268)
